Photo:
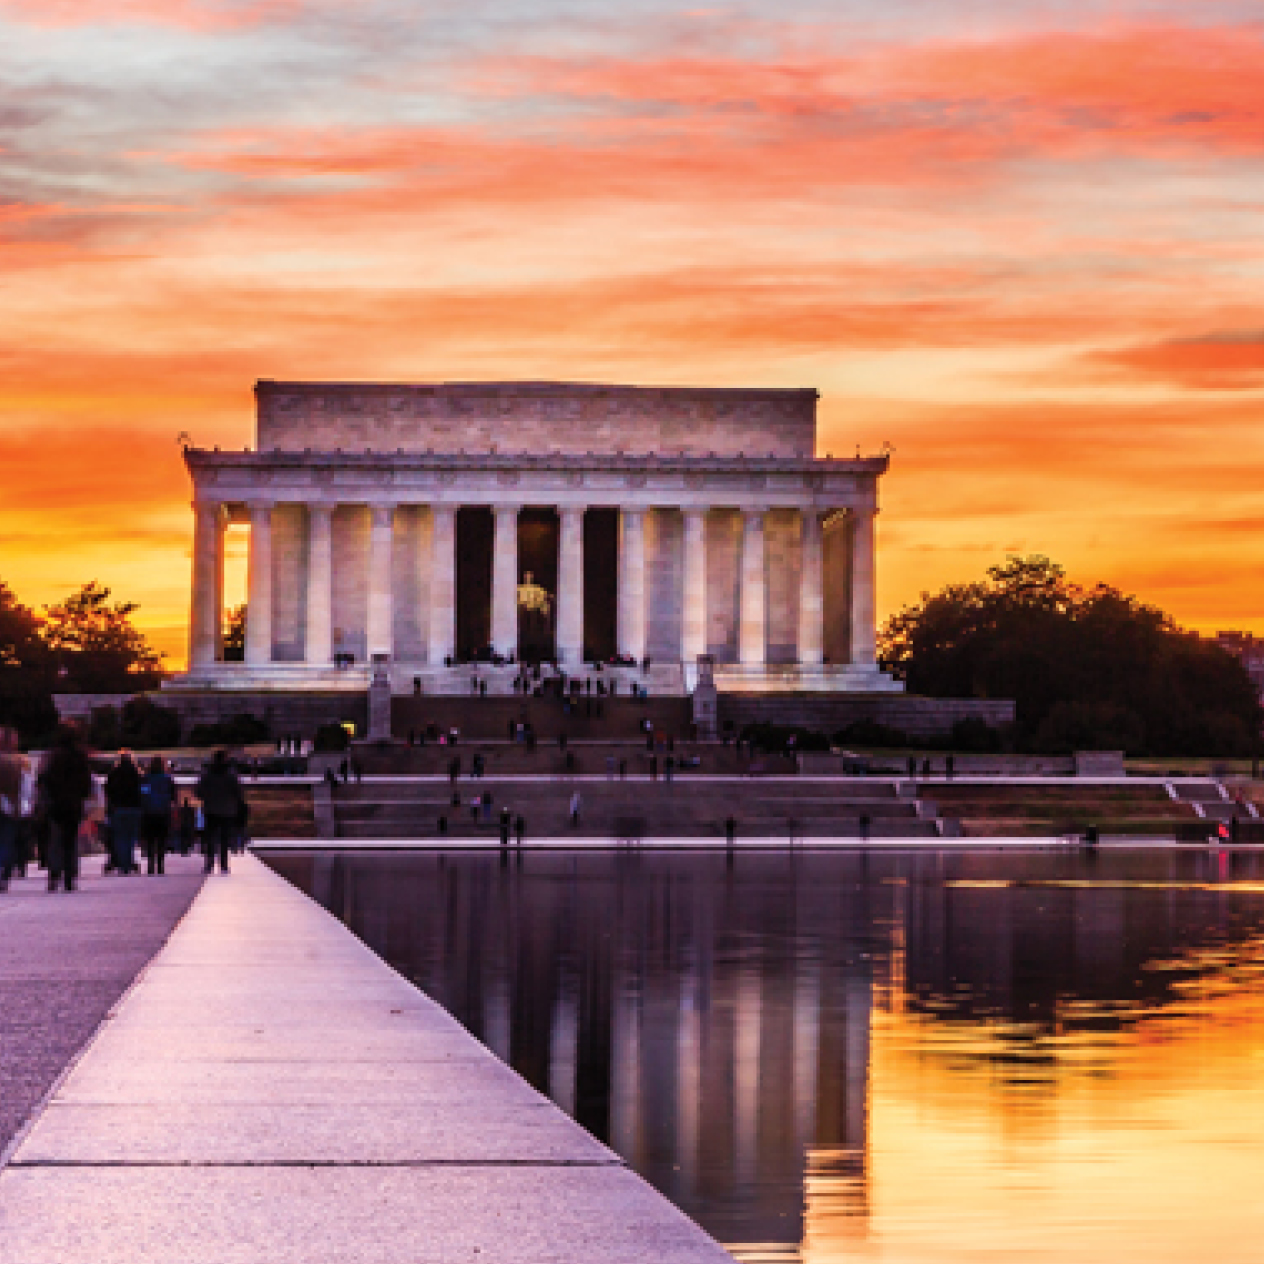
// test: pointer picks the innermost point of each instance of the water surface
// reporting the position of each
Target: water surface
(871, 1057)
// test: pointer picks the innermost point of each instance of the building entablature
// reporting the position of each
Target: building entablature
(497, 479)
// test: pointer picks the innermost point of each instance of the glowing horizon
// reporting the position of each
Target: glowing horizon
(1023, 248)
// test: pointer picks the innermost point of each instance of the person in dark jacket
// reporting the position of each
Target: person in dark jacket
(122, 799)
(10, 812)
(157, 796)
(64, 784)
(188, 826)
(221, 796)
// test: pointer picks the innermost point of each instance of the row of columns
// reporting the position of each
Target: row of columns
(631, 617)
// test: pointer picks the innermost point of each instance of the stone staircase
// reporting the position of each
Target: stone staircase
(1214, 806)
(639, 808)
(587, 717)
(549, 758)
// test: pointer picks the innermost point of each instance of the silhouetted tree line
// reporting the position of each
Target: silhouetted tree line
(85, 644)
(1086, 667)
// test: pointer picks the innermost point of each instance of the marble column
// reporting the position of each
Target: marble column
(752, 624)
(570, 588)
(811, 592)
(221, 534)
(863, 633)
(320, 586)
(380, 625)
(206, 611)
(259, 588)
(632, 584)
(693, 625)
(443, 585)
(505, 581)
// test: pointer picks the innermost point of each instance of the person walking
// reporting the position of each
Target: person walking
(241, 826)
(12, 796)
(188, 826)
(221, 796)
(123, 801)
(157, 796)
(576, 804)
(65, 783)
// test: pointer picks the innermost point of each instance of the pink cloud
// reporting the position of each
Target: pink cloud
(196, 15)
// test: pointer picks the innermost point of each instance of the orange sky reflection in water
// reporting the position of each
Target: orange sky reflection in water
(997, 1141)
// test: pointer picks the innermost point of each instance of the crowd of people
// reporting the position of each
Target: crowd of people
(42, 815)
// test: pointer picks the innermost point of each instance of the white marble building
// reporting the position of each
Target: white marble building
(435, 525)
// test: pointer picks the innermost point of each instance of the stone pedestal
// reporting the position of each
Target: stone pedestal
(380, 699)
(706, 701)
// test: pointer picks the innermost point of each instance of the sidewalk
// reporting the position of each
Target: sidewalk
(65, 960)
(272, 1091)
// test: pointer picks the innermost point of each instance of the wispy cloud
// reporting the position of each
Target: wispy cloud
(1023, 246)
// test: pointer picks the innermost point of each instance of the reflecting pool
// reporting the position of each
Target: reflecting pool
(871, 1056)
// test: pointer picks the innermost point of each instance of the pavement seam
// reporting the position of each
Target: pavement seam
(161, 1164)
(37, 1111)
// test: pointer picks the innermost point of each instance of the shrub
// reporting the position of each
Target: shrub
(779, 738)
(146, 725)
(105, 731)
(870, 733)
(331, 739)
(241, 730)
(975, 736)
(1075, 726)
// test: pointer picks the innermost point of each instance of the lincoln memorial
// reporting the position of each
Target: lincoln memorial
(426, 528)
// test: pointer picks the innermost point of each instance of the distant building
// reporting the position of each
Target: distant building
(1249, 650)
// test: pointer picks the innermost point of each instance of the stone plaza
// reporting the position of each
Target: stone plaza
(428, 527)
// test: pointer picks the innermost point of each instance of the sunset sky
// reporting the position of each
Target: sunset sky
(1021, 242)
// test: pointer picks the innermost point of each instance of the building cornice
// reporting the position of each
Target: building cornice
(203, 459)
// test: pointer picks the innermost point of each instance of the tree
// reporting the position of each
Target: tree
(20, 644)
(26, 702)
(1084, 666)
(94, 646)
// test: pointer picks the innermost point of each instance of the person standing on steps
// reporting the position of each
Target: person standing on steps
(157, 795)
(576, 804)
(65, 784)
(221, 796)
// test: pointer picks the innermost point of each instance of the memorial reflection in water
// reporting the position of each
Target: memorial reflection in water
(870, 1056)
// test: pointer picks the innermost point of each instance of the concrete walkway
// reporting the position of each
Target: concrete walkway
(272, 1091)
(65, 960)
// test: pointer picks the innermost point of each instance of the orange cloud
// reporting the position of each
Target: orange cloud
(997, 255)
(1232, 361)
(1051, 93)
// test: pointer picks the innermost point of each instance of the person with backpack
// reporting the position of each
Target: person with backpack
(221, 796)
(157, 797)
